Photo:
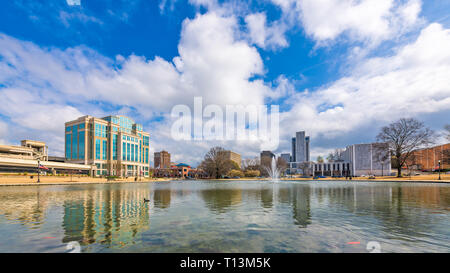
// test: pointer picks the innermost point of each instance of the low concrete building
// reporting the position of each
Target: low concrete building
(368, 159)
(24, 158)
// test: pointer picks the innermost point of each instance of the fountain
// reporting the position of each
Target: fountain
(273, 171)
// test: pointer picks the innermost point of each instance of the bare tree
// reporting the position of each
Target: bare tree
(305, 167)
(404, 136)
(447, 131)
(381, 154)
(251, 164)
(336, 156)
(282, 165)
(215, 163)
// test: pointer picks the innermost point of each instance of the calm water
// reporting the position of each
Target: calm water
(234, 216)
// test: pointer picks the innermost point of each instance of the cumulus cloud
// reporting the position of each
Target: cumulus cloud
(368, 21)
(413, 81)
(264, 35)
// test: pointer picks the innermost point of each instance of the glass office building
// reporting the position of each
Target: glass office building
(115, 144)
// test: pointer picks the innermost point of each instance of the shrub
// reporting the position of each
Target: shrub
(234, 173)
(252, 173)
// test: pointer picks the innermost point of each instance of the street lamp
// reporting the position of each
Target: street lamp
(439, 163)
(38, 171)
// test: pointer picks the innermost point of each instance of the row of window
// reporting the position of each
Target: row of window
(75, 142)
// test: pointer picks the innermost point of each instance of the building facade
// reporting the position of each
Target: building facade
(116, 145)
(235, 157)
(162, 160)
(428, 159)
(286, 157)
(368, 159)
(300, 148)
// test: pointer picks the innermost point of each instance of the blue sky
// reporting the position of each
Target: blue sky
(338, 69)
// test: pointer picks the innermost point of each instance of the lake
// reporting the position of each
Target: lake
(227, 216)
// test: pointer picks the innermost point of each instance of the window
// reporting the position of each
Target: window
(81, 145)
(114, 143)
(68, 129)
(146, 155)
(68, 145)
(81, 126)
(97, 149)
(105, 149)
(136, 154)
(124, 149)
(140, 150)
(146, 140)
(128, 151)
(75, 142)
(132, 152)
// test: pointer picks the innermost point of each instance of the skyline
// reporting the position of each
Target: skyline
(339, 78)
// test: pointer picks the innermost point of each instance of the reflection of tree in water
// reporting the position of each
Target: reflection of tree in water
(221, 200)
(267, 198)
(161, 198)
(398, 206)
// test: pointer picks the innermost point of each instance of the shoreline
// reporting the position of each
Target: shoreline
(104, 181)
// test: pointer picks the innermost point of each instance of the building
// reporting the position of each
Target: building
(286, 157)
(116, 145)
(293, 158)
(428, 159)
(24, 158)
(301, 147)
(162, 160)
(235, 157)
(342, 168)
(368, 159)
(266, 158)
(29, 149)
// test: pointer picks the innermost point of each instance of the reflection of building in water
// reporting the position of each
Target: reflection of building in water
(106, 216)
(26, 207)
(161, 198)
(301, 206)
(221, 200)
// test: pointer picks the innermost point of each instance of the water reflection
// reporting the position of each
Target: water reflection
(269, 217)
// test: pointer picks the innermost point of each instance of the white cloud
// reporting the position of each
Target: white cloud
(414, 81)
(368, 21)
(263, 35)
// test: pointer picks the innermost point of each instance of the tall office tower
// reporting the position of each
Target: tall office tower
(307, 148)
(301, 147)
(162, 160)
(293, 158)
(286, 157)
(115, 144)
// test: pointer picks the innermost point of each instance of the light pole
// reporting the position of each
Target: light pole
(439, 163)
(39, 164)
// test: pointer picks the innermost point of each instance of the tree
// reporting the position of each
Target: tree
(252, 173)
(320, 159)
(215, 163)
(336, 156)
(235, 173)
(381, 154)
(447, 131)
(282, 165)
(251, 164)
(305, 167)
(404, 136)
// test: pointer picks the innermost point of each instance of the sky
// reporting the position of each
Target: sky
(338, 69)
